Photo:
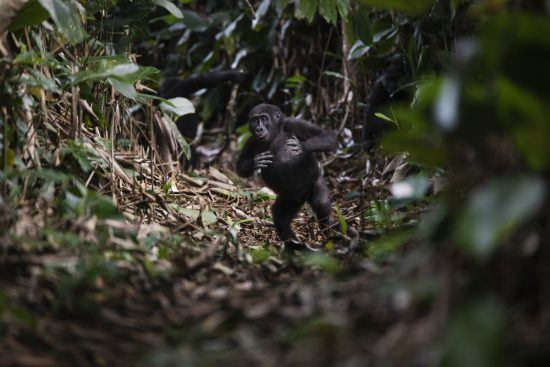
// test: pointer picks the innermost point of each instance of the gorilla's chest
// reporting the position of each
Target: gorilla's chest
(283, 155)
(290, 172)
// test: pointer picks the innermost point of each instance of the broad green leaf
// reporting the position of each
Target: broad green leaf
(343, 7)
(189, 213)
(31, 58)
(358, 50)
(34, 78)
(383, 248)
(362, 25)
(423, 148)
(323, 261)
(517, 104)
(194, 21)
(476, 336)
(179, 106)
(121, 76)
(405, 6)
(262, 10)
(66, 15)
(208, 218)
(496, 210)
(181, 140)
(32, 13)
(126, 89)
(327, 8)
(171, 7)
(308, 8)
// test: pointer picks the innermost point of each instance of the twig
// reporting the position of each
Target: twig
(251, 8)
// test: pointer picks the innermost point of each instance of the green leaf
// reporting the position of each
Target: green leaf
(362, 25)
(262, 10)
(476, 336)
(343, 7)
(179, 106)
(422, 147)
(66, 15)
(495, 211)
(194, 21)
(208, 218)
(181, 140)
(385, 118)
(103, 70)
(358, 50)
(32, 13)
(171, 7)
(126, 89)
(32, 58)
(405, 6)
(342, 221)
(327, 8)
(189, 213)
(308, 8)
(383, 248)
(323, 261)
(35, 78)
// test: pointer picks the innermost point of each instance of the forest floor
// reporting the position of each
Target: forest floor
(195, 276)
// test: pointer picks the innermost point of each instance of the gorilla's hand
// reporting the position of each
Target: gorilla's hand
(294, 146)
(262, 160)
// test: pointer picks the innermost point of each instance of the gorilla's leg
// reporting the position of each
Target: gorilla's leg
(320, 202)
(284, 210)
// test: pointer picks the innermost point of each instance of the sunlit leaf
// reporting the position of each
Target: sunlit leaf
(179, 106)
(262, 10)
(411, 188)
(171, 7)
(447, 104)
(66, 15)
(358, 50)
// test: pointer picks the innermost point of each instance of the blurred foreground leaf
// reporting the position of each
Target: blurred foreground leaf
(496, 210)
(475, 336)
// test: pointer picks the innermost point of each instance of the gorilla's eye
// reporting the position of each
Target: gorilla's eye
(264, 118)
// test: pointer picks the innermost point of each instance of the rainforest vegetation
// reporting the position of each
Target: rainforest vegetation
(128, 239)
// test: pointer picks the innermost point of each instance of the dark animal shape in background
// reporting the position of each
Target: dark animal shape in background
(172, 87)
(284, 150)
(384, 92)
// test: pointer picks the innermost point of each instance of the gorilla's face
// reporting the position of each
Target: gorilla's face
(263, 121)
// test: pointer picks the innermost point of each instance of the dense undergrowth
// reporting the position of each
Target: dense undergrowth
(113, 253)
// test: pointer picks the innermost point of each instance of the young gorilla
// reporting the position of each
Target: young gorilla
(283, 149)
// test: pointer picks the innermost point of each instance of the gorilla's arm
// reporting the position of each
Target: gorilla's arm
(176, 87)
(313, 138)
(251, 158)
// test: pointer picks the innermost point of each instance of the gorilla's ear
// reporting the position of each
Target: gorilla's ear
(277, 116)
